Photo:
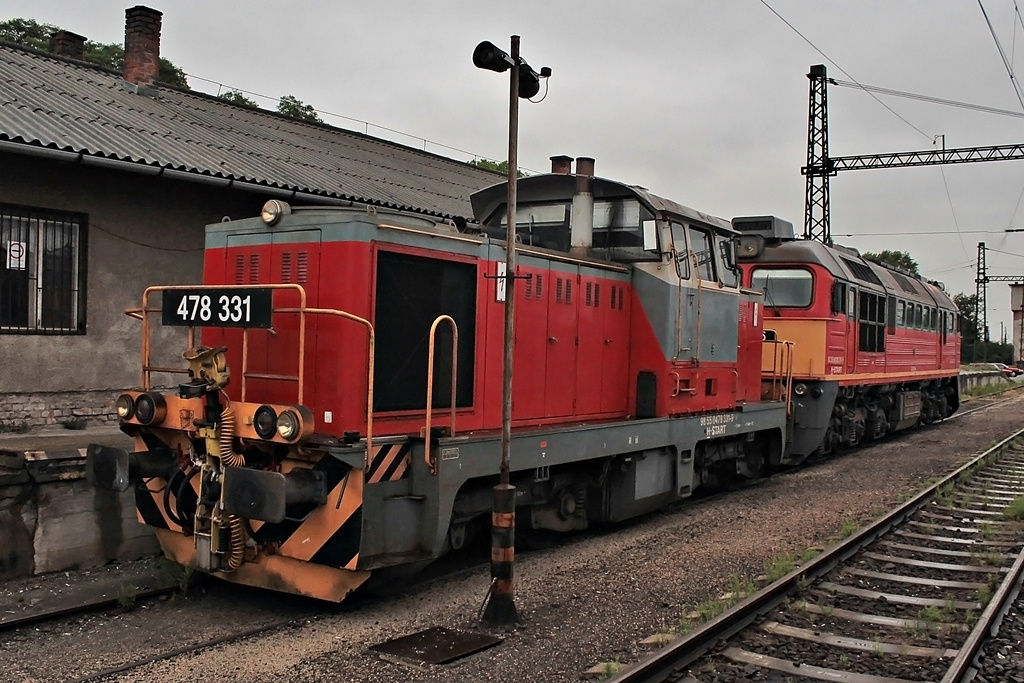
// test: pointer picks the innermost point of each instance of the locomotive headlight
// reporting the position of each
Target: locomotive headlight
(264, 421)
(150, 409)
(800, 389)
(288, 425)
(125, 406)
(273, 210)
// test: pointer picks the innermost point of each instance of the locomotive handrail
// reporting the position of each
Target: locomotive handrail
(782, 355)
(369, 363)
(143, 315)
(431, 462)
(147, 368)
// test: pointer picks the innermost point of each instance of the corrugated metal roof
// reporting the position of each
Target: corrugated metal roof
(50, 102)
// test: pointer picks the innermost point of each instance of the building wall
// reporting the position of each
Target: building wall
(142, 230)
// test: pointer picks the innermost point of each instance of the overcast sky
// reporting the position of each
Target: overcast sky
(701, 102)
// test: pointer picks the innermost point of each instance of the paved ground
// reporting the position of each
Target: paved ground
(58, 439)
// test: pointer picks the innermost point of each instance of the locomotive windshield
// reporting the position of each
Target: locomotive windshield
(618, 232)
(792, 287)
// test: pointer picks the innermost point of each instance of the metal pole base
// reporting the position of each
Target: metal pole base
(501, 608)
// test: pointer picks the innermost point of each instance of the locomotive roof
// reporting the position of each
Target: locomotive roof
(848, 264)
(562, 186)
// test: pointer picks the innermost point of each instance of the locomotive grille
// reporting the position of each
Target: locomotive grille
(286, 267)
(239, 270)
(254, 269)
(303, 266)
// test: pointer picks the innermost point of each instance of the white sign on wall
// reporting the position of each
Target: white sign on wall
(500, 282)
(17, 255)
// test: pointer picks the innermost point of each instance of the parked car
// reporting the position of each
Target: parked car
(1008, 370)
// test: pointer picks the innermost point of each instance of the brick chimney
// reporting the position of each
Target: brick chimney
(67, 44)
(561, 164)
(141, 45)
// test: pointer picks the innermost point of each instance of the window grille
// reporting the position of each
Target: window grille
(42, 270)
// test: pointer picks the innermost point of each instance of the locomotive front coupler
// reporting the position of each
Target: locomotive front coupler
(115, 469)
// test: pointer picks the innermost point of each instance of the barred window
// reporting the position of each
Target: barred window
(42, 271)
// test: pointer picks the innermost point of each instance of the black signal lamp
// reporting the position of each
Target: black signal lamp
(489, 56)
(264, 421)
(150, 408)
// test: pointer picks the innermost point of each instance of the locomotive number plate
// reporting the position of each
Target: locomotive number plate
(248, 307)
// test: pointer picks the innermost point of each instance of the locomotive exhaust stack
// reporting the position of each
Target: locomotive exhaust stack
(581, 222)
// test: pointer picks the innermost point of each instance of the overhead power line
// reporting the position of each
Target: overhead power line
(927, 98)
(833, 63)
(1006, 62)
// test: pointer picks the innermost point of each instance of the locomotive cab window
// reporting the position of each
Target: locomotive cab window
(871, 328)
(621, 228)
(703, 254)
(784, 287)
(838, 297)
(901, 313)
(729, 270)
(681, 253)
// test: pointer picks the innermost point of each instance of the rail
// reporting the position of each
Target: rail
(148, 368)
(427, 456)
(686, 650)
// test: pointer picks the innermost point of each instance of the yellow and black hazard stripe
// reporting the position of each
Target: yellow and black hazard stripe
(328, 534)
(389, 462)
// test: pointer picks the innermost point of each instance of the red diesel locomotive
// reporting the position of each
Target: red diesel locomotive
(342, 415)
(875, 350)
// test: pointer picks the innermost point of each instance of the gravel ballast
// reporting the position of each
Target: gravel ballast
(587, 601)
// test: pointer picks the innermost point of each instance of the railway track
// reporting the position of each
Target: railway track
(70, 606)
(912, 597)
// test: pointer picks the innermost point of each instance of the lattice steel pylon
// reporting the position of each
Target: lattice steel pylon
(980, 300)
(819, 166)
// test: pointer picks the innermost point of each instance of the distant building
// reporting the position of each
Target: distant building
(108, 179)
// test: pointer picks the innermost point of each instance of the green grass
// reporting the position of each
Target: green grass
(612, 668)
(779, 567)
(848, 529)
(1015, 510)
(988, 390)
(127, 595)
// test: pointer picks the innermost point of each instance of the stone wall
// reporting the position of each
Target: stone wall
(51, 519)
(48, 408)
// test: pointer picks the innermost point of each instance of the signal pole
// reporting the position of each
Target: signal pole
(524, 82)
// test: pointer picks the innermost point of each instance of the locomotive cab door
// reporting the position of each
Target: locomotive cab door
(852, 338)
(686, 308)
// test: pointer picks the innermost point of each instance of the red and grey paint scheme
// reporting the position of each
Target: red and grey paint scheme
(303, 455)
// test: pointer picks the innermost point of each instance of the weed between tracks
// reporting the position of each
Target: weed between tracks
(1015, 510)
(127, 596)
